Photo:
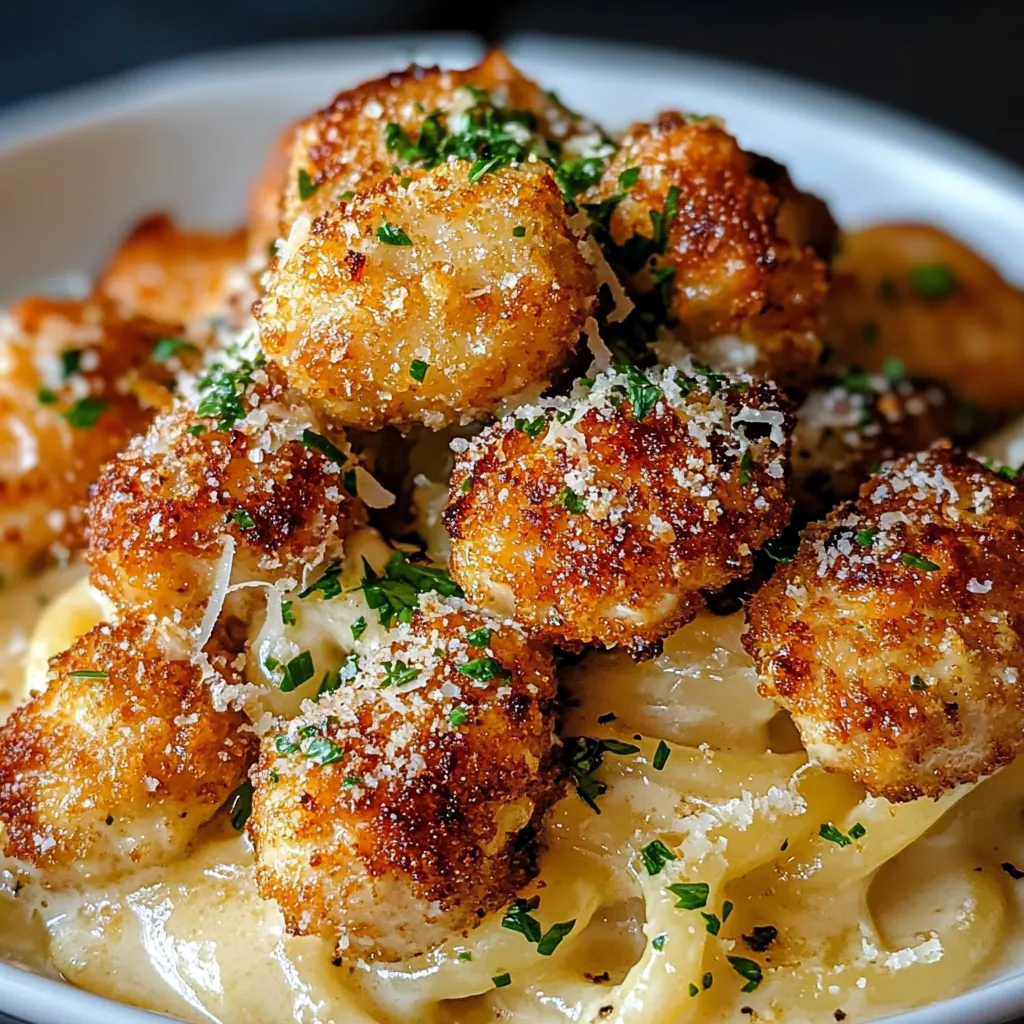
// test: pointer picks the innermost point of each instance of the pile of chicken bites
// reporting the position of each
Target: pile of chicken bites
(662, 377)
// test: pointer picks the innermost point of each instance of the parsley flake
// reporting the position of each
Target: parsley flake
(655, 856)
(458, 716)
(479, 637)
(358, 627)
(418, 370)
(916, 561)
(519, 231)
(307, 187)
(571, 501)
(166, 349)
(318, 443)
(389, 234)
(70, 362)
(933, 282)
(242, 519)
(865, 538)
(84, 413)
(690, 895)
(642, 394)
(88, 673)
(661, 755)
(502, 980)
(394, 594)
(483, 670)
(531, 428)
(583, 756)
(750, 970)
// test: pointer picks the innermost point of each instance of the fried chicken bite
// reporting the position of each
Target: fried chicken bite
(246, 489)
(424, 116)
(600, 520)
(915, 293)
(177, 277)
(431, 298)
(895, 637)
(681, 213)
(850, 423)
(119, 761)
(76, 382)
(405, 806)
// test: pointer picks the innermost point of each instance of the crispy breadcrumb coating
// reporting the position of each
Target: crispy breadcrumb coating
(119, 761)
(349, 146)
(894, 638)
(76, 382)
(430, 298)
(851, 423)
(268, 494)
(404, 805)
(177, 277)
(680, 210)
(913, 292)
(600, 520)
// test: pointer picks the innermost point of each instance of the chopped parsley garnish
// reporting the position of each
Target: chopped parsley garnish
(642, 394)
(661, 755)
(746, 465)
(389, 234)
(240, 805)
(693, 990)
(1012, 870)
(658, 942)
(519, 919)
(397, 673)
(583, 756)
(552, 938)
(713, 923)
(196, 430)
(519, 231)
(88, 673)
(321, 750)
(307, 187)
(655, 856)
(761, 937)
(287, 613)
(933, 282)
(479, 637)
(570, 501)
(351, 781)
(318, 443)
(350, 482)
(628, 178)
(833, 835)
(167, 348)
(916, 561)
(531, 428)
(458, 716)
(707, 981)
(418, 370)
(358, 627)
(467, 484)
(46, 396)
(221, 390)
(242, 519)
(865, 538)
(394, 594)
(84, 413)
(295, 673)
(747, 969)
(329, 585)
(501, 980)
(690, 895)
(917, 683)
(483, 670)
(70, 362)
(465, 955)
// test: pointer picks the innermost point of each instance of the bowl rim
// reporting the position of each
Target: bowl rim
(88, 106)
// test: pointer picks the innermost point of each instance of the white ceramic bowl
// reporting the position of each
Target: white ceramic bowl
(78, 169)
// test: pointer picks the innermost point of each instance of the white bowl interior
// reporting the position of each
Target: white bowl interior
(77, 170)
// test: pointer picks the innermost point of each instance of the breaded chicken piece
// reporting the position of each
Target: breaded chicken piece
(913, 292)
(851, 423)
(430, 298)
(894, 638)
(248, 484)
(177, 277)
(683, 216)
(600, 520)
(422, 115)
(119, 761)
(406, 806)
(76, 382)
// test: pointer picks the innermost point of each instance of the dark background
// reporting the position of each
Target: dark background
(953, 62)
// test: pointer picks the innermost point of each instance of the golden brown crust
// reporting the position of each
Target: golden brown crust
(174, 276)
(343, 147)
(914, 292)
(62, 363)
(605, 528)
(851, 423)
(120, 766)
(162, 511)
(429, 819)
(735, 275)
(485, 311)
(895, 636)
